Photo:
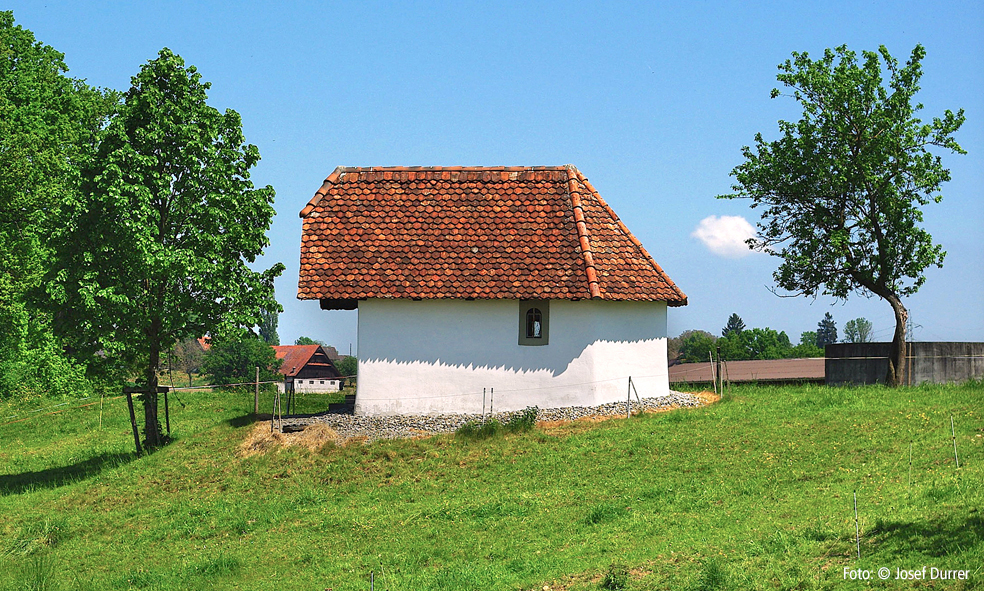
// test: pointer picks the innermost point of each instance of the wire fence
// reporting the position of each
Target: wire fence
(469, 393)
(83, 402)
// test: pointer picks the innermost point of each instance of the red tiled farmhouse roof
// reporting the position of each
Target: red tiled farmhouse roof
(295, 357)
(483, 233)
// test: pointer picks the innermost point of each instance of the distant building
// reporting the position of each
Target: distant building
(310, 369)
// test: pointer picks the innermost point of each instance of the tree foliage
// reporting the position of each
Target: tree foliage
(268, 327)
(857, 331)
(841, 190)
(308, 341)
(347, 366)
(47, 124)
(234, 359)
(735, 325)
(755, 343)
(697, 346)
(826, 331)
(159, 247)
(187, 356)
(807, 346)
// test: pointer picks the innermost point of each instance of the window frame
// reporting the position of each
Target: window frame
(525, 307)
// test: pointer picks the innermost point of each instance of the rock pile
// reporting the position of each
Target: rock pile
(405, 426)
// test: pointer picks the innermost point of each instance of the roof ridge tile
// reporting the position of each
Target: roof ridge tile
(583, 237)
(633, 239)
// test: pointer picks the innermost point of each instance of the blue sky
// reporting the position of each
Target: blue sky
(651, 101)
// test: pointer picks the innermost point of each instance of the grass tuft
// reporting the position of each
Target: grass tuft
(617, 578)
(713, 576)
(520, 422)
(605, 512)
(487, 429)
(39, 573)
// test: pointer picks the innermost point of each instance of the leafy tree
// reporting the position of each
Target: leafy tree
(233, 360)
(857, 331)
(673, 346)
(696, 346)
(187, 356)
(842, 188)
(808, 338)
(807, 346)
(826, 331)
(735, 325)
(755, 343)
(268, 327)
(157, 251)
(309, 341)
(765, 343)
(347, 366)
(47, 124)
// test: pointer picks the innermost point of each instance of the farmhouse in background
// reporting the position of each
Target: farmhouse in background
(520, 280)
(310, 368)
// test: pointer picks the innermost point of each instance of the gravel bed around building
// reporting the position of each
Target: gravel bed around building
(405, 426)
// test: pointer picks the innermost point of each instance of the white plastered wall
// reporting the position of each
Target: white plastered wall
(319, 385)
(437, 356)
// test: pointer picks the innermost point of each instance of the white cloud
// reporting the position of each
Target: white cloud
(726, 235)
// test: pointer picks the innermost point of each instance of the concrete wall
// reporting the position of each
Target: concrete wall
(937, 362)
(436, 356)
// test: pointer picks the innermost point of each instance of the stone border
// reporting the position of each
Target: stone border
(409, 426)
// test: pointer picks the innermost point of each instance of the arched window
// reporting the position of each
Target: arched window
(534, 322)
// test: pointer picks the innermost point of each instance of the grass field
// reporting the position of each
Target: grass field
(754, 492)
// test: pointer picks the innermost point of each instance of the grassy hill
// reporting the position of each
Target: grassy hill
(755, 492)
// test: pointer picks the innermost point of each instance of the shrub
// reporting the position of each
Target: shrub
(522, 421)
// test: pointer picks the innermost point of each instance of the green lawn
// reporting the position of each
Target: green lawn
(755, 492)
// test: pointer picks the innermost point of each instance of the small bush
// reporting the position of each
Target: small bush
(480, 429)
(617, 578)
(522, 421)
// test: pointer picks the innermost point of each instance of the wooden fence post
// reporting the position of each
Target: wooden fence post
(720, 378)
(167, 414)
(256, 393)
(133, 420)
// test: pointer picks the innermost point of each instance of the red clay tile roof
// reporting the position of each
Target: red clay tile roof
(483, 233)
(295, 357)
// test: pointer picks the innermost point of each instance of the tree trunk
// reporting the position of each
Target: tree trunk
(152, 425)
(896, 352)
